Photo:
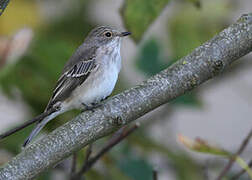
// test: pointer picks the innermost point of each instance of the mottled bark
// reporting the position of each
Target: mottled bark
(203, 63)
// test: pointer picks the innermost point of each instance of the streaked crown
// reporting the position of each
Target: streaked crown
(103, 35)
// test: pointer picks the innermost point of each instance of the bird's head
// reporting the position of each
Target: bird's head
(103, 36)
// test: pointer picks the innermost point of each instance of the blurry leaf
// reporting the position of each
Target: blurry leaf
(140, 139)
(203, 146)
(200, 145)
(74, 26)
(190, 98)
(185, 168)
(46, 175)
(244, 165)
(139, 14)
(137, 169)
(123, 164)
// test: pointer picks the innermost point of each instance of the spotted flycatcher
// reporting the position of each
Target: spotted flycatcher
(88, 77)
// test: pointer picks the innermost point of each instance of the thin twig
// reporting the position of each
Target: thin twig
(74, 161)
(88, 153)
(118, 133)
(154, 174)
(239, 174)
(112, 142)
(232, 159)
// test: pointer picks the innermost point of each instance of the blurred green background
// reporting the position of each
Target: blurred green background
(38, 37)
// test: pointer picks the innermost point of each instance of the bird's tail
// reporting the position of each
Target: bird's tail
(39, 126)
(38, 118)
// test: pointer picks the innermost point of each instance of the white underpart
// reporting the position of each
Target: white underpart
(101, 81)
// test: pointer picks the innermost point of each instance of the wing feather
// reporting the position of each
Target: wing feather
(81, 68)
(71, 79)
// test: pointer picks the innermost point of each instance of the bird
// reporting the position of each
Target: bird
(88, 77)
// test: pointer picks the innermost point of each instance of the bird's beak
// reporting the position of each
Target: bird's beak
(125, 34)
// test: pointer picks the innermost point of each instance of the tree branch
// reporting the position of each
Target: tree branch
(154, 175)
(73, 166)
(203, 63)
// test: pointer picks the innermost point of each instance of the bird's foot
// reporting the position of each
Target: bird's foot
(90, 107)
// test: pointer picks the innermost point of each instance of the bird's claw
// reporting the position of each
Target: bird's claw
(90, 107)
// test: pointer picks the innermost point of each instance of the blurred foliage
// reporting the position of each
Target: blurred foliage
(149, 60)
(19, 14)
(139, 14)
(189, 28)
(202, 146)
(135, 168)
(184, 167)
(14, 142)
(33, 75)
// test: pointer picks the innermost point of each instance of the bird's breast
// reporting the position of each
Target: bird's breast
(99, 84)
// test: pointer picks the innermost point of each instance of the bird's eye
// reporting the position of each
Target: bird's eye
(108, 34)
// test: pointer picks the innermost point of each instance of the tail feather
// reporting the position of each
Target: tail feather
(22, 126)
(39, 126)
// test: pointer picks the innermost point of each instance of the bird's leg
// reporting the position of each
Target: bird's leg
(106, 98)
(93, 105)
(90, 107)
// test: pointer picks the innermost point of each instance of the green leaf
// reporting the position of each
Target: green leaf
(136, 168)
(139, 14)
(72, 26)
(114, 172)
(14, 142)
(202, 146)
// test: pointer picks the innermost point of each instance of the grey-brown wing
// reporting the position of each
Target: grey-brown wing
(71, 79)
